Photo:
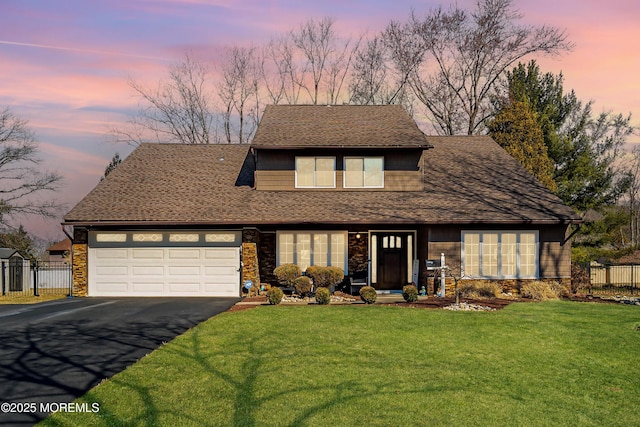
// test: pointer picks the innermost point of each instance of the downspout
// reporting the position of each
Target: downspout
(71, 254)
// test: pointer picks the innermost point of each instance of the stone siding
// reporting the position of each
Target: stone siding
(267, 258)
(509, 286)
(80, 277)
(250, 268)
(358, 253)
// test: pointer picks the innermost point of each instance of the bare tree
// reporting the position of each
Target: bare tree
(22, 182)
(280, 72)
(632, 168)
(326, 59)
(239, 93)
(177, 110)
(369, 74)
(465, 53)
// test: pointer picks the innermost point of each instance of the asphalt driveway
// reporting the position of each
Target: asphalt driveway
(54, 352)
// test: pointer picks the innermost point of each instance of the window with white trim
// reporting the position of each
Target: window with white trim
(315, 172)
(363, 172)
(305, 248)
(500, 254)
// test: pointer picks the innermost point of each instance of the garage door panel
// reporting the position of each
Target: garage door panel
(220, 253)
(147, 253)
(191, 288)
(111, 253)
(111, 287)
(154, 271)
(146, 288)
(112, 270)
(147, 270)
(220, 272)
(181, 253)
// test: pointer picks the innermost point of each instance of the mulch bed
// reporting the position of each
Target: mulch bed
(496, 303)
(435, 303)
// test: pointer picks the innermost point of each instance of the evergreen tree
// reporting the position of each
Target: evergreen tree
(19, 240)
(515, 128)
(115, 161)
(582, 147)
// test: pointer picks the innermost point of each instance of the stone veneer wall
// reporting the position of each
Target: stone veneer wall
(267, 257)
(79, 263)
(358, 253)
(511, 286)
(250, 268)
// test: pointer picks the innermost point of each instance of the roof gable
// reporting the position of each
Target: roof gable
(333, 126)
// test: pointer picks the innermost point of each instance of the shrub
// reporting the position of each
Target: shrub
(274, 296)
(325, 276)
(287, 273)
(580, 279)
(480, 289)
(323, 296)
(541, 291)
(335, 275)
(410, 293)
(368, 294)
(302, 285)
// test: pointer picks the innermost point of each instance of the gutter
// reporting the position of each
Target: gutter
(113, 223)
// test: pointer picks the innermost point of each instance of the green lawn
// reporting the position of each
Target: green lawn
(542, 364)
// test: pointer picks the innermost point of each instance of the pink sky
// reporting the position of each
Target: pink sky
(65, 64)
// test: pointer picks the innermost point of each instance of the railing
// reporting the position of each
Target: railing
(35, 278)
(614, 279)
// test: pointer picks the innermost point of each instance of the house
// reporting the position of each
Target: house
(59, 252)
(15, 270)
(359, 187)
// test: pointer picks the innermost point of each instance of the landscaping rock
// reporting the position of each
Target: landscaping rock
(464, 306)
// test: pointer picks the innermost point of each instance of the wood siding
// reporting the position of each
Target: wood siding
(554, 252)
(284, 180)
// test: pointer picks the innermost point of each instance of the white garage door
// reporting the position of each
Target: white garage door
(164, 271)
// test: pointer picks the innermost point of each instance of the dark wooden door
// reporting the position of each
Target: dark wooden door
(392, 261)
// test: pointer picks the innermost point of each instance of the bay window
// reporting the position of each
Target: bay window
(500, 254)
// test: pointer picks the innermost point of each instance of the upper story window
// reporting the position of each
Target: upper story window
(315, 172)
(363, 172)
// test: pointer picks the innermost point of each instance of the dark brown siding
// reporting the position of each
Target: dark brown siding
(555, 253)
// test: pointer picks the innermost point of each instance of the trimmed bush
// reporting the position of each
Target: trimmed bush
(302, 285)
(368, 294)
(323, 296)
(325, 276)
(540, 291)
(274, 296)
(287, 273)
(335, 275)
(480, 289)
(410, 293)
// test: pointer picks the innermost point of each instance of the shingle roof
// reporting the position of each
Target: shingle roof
(467, 180)
(63, 245)
(302, 126)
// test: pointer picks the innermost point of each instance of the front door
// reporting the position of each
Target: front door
(392, 252)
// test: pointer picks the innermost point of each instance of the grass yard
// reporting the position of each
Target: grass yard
(552, 363)
(29, 298)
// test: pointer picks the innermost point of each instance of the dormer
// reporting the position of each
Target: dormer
(338, 148)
